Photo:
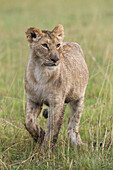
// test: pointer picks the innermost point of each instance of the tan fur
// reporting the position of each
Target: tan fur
(56, 74)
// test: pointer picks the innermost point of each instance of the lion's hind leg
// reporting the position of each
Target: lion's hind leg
(76, 108)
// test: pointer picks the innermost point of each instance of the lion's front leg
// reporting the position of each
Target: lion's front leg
(32, 112)
(55, 118)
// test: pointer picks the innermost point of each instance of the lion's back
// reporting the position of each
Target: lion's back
(77, 71)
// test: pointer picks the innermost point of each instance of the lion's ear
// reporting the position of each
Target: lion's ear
(33, 34)
(59, 31)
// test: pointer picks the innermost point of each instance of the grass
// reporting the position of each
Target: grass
(90, 24)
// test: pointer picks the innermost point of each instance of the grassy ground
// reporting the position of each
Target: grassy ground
(90, 24)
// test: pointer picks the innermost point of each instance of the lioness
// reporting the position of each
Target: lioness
(56, 74)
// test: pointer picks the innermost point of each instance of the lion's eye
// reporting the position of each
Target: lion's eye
(45, 46)
(58, 45)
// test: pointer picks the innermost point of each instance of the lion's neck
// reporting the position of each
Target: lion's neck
(42, 73)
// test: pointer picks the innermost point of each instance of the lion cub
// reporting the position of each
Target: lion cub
(56, 74)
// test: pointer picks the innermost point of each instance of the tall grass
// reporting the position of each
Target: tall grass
(90, 24)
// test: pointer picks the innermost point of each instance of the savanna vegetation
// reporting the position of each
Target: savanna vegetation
(90, 23)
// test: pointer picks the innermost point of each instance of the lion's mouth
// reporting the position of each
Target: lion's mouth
(50, 64)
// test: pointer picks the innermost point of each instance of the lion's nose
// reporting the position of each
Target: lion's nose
(54, 58)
